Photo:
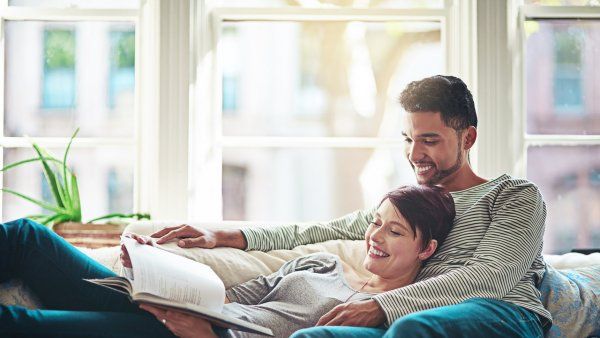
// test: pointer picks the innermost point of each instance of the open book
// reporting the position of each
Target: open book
(166, 280)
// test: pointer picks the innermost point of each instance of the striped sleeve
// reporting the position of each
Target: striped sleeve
(504, 255)
(351, 226)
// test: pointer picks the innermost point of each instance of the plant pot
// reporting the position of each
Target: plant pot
(90, 235)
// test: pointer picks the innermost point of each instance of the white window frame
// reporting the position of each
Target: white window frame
(19, 13)
(458, 23)
(526, 140)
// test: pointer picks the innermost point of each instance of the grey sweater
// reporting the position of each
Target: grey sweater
(292, 298)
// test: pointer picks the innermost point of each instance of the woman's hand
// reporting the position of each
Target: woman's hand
(125, 255)
(181, 324)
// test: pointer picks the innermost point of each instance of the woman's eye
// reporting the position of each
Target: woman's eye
(395, 233)
(374, 224)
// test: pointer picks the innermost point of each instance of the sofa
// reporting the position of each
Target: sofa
(570, 289)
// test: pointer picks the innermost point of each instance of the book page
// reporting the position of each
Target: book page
(173, 277)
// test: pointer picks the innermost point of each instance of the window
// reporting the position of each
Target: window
(59, 69)
(562, 120)
(305, 123)
(122, 68)
(65, 70)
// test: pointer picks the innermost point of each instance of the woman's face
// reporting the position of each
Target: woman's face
(392, 247)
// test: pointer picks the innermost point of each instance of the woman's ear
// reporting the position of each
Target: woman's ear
(428, 250)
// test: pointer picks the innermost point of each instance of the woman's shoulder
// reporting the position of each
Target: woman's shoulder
(317, 260)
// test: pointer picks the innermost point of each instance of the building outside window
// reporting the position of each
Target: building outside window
(562, 120)
(59, 69)
(307, 124)
(60, 75)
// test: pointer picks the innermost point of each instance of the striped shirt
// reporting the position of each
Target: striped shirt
(494, 249)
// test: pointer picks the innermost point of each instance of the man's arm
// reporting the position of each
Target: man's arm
(504, 255)
(351, 226)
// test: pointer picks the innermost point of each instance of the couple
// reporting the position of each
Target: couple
(481, 282)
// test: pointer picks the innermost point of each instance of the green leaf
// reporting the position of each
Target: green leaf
(42, 204)
(76, 203)
(50, 176)
(64, 165)
(35, 159)
(48, 219)
(137, 216)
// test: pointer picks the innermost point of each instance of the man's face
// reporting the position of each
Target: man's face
(433, 149)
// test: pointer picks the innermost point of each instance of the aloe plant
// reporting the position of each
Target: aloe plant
(64, 188)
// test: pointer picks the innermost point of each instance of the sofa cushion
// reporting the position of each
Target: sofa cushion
(235, 266)
(573, 298)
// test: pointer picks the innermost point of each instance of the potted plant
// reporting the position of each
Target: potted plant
(64, 215)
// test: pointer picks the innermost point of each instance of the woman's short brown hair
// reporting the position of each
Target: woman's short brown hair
(430, 209)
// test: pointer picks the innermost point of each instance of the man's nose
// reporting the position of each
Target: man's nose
(415, 152)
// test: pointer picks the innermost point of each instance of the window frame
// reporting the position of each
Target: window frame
(23, 13)
(527, 12)
(457, 20)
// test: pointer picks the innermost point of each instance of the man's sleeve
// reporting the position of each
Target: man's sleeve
(504, 255)
(351, 226)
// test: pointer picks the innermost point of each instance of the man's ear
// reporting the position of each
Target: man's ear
(470, 135)
(428, 250)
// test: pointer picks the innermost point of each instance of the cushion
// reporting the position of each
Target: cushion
(573, 298)
(235, 266)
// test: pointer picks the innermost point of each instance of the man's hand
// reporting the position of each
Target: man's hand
(357, 313)
(190, 237)
(181, 324)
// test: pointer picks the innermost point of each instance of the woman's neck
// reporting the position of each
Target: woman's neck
(379, 283)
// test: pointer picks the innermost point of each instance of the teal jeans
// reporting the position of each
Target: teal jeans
(477, 317)
(54, 270)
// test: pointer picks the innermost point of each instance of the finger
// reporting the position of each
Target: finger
(181, 232)
(165, 231)
(199, 242)
(326, 318)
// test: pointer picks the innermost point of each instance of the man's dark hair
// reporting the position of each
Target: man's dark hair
(448, 95)
(430, 209)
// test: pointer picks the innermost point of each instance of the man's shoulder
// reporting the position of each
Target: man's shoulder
(507, 182)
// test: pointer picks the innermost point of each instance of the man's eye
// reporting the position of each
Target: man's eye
(374, 224)
(407, 140)
(395, 233)
(430, 142)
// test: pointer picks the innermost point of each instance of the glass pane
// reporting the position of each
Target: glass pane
(69, 75)
(321, 78)
(308, 184)
(571, 189)
(563, 2)
(330, 3)
(104, 177)
(125, 4)
(562, 72)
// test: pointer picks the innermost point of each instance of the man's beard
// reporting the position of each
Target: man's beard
(442, 174)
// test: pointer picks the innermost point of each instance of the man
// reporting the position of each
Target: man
(482, 281)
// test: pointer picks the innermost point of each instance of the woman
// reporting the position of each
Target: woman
(410, 223)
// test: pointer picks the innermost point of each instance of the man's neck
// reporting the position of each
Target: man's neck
(462, 179)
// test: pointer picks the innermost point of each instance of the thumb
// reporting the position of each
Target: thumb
(198, 242)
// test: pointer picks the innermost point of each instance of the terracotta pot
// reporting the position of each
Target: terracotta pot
(89, 235)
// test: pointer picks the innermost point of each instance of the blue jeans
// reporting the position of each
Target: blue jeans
(478, 317)
(54, 270)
